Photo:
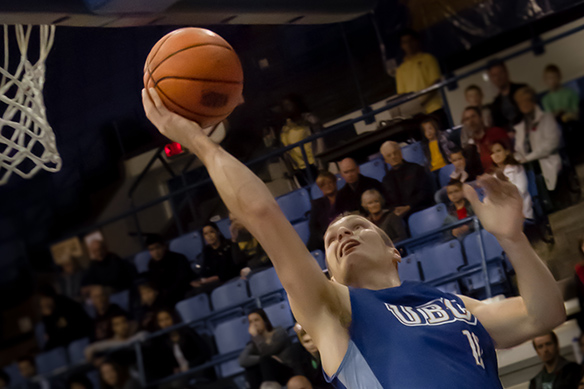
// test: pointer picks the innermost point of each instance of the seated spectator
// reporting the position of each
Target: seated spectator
(124, 332)
(463, 171)
(322, 210)
(151, 301)
(349, 197)
(69, 281)
(104, 311)
(270, 385)
(407, 186)
(389, 222)
(458, 210)
(28, 370)
(538, 137)
(481, 136)
(298, 382)
(4, 379)
(504, 161)
(246, 250)
(307, 359)
(114, 376)
(64, 320)
(79, 381)
(169, 272)
(504, 108)
(435, 144)
(107, 269)
(560, 101)
(267, 356)
(557, 372)
(218, 265)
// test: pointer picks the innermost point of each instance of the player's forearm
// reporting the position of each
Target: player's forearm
(537, 286)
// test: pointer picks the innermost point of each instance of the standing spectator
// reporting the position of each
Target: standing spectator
(246, 250)
(307, 359)
(459, 209)
(65, 320)
(107, 269)
(557, 372)
(419, 71)
(560, 101)
(267, 356)
(169, 272)
(504, 108)
(481, 136)
(474, 98)
(435, 145)
(349, 197)
(28, 370)
(114, 376)
(504, 161)
(538, 137)
(69, 282)
(323, 210)
(407, 186)
(104, 311)
(389, 222)
(151, 301)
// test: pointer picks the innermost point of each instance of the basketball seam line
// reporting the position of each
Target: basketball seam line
(149, 58)
(196, 79)
(180, 51)
(186, 109)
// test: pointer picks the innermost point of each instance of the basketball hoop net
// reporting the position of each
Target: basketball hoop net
(27, 141)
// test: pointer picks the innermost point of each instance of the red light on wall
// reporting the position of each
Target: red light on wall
(173, 149)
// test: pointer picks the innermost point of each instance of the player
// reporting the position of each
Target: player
(373, 331)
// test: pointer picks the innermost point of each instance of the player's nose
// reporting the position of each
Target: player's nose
(343, 231)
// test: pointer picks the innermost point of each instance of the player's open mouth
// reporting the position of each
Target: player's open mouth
(347, 246)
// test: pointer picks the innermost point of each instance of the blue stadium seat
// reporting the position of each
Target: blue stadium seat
(414, 153)
(320, 258)
(75, 350)
(303, 230)
(194, 308)
(141, 261)
(93, 376)
(408, 269)
(231, 335)
(50, 361)
(472, 248)
(14, 375)
(444, 174)
(223, 225)
(229, 295)
(39, 334)
(122, 299)
(374, 169)
(477, 280)
(440, 260)
(264, 282)
(295, 205)
(427, 220)
(190, 245)
(280, 315)
(449, 287)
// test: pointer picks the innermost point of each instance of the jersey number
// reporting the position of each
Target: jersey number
(477, 353)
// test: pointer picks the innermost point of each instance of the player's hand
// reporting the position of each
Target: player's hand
(171, 125)
(501, 212)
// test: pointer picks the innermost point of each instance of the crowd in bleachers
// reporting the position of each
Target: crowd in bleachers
(218, 283)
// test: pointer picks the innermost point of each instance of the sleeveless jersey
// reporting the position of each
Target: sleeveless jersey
(415, 337)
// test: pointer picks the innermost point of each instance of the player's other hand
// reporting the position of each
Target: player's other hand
(501, 212)
(171, 125)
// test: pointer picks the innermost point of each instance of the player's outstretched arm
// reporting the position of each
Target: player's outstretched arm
(247, 197)
(540, 306)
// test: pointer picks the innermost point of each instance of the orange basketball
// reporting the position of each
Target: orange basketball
(197, 75)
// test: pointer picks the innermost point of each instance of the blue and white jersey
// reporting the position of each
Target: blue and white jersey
(415, 337)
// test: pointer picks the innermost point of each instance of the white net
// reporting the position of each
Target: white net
(27, 141)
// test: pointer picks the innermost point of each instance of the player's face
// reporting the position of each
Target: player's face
(210, 235)
(457, 159)
(498, 154)
(546, 349)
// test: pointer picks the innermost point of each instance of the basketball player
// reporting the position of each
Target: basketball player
(373, 331)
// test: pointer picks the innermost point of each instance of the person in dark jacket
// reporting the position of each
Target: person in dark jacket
(65, 320)
(107, 269)
(349, 197)
(407, 185)
(504, 108)
(388, 221)
(307, 359)
(557, 372)
(323, 210)
(104, 311)
(169, 272)
(246, 251)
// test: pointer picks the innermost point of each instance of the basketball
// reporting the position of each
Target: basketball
(197, 75)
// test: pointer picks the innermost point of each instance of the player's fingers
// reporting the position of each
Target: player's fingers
(156, 99)
(492, 186)
(471, 195)
(147, 103)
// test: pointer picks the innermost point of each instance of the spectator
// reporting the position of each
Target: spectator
(560, 101)
(114, 376)
(267, 356)
(504, 161)
(419, 71)
(270, 385)
(323, 210)
(218, 266)
(79, 381)
(581, 384)
(407, 186)
(64, 320)
(458, 210)
(70, 279)
(124, 332)
(463, 171)
(435, 145)
(4, 379)
(151, 301)
(307, 359)
(504, 108)
(557, 372)
(107, 269)
(28, 370)
(298, 382)
(393, 225)
(579, 270)
(246, 250)
(168, 271)
(299, 125)
(104, 311)
(474, 98)
(482, 136)
(537, 137)
(349, 197)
